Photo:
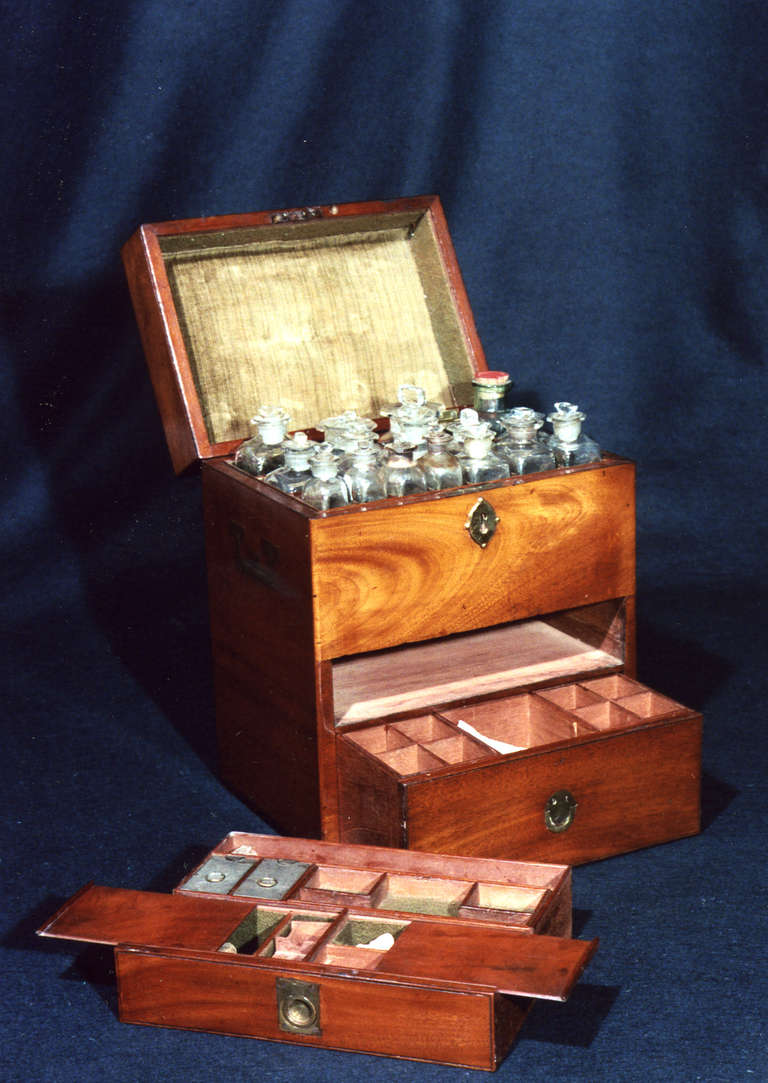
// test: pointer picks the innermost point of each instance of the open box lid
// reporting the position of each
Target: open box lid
(500, 959)
(318, 310)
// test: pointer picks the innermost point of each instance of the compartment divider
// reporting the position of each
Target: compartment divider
(330, 932)
(331, 921)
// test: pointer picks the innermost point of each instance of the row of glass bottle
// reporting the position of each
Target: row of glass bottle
(418, 454)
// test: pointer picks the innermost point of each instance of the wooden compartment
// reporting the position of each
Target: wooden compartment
(558, 782)
(517, 722)
(336, 633)
(429, 984)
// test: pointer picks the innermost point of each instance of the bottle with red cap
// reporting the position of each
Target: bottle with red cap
(490, 392)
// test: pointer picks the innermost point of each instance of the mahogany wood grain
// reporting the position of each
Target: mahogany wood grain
(633, 788)
(360, 1015)
(370, 800)
(494, 660)
(508, 1017)
(402, 574)
(164, 350)
(540, 966)
(435, 995)
(260, 589)
(111, 915)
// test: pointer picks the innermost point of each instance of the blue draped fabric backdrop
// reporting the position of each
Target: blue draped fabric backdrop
(603, 167)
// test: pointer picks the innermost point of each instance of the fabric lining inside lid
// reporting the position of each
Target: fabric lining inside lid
(318, 325)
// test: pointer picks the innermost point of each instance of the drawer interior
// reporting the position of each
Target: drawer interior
(472, 732)
(348, 908)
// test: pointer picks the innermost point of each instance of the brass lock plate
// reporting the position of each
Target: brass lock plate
(298, 1006)
(481, 522)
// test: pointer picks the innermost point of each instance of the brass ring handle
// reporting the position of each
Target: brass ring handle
(298, 1006)
(300, 1012)
(559, 811)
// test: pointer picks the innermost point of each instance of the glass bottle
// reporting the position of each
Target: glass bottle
(295, 473)
(458, 429)
(478, 462)
(570, 446)
(521, 447)
(325, 489)
(489, 390)
(363, 474)
(263, 451)
(441, 469)
(410, 420)
(402, 474)
(345, 431)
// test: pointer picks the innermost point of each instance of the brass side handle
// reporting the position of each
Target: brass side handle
(260, 566)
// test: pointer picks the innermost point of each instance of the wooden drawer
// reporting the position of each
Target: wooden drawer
(619, 772)
(340, 947)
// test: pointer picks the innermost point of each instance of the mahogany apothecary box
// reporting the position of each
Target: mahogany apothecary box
(349, 644)
(345, 947)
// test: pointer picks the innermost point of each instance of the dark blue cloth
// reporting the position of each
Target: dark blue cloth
(603, 167)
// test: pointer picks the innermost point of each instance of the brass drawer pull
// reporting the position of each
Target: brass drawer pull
(298, 1006)
(559, 811)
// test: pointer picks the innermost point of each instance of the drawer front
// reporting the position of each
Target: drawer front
(364, 1016)
(630, 790)
(409, 573)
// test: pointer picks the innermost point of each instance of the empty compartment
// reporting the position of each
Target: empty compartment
(347, 886)
(613, 687)
(425, 728)
(298, 937)
(459, 749)
(360, 943)
(379, 739)
(649, 705)
(412, 760)
(421, 895)
(473, 664)
(518, 722)
(254, 931)
(498, 902)
(607, 716)
(569, 696)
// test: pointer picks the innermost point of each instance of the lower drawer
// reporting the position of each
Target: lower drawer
(585, 781)
(467, 1029)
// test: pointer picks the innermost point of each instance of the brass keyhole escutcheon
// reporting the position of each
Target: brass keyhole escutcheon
(481, 522)
(559, 811)
(298, 1006)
